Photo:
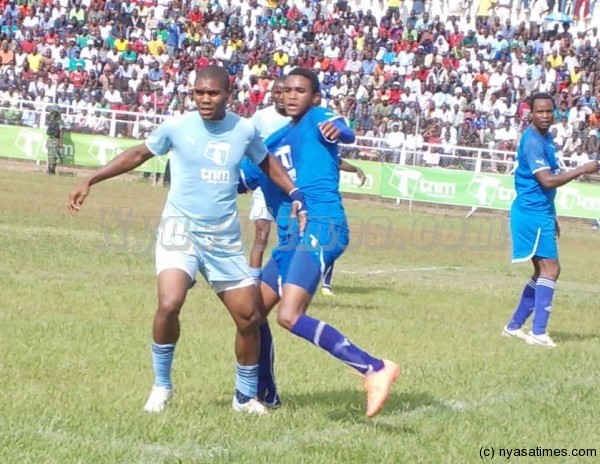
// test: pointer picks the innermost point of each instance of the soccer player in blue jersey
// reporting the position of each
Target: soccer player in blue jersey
(533, 223)
(307, 148)
(199, 229)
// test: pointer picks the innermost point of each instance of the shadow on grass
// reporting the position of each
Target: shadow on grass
(349, 406)
(574, 336)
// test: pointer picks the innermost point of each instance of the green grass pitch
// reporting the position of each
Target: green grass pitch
(425, 288)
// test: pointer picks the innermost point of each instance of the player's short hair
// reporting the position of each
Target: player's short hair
(541, 96)
(279, 80)
(217, 73)
(307, 74)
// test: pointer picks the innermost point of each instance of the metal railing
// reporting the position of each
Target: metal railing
(415, 152)
(419, 153)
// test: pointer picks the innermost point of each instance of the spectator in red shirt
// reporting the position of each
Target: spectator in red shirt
(29, 44)
(395, 93)
(196, 15)
(306, 61)
(256, 96)
(78, 77)
(201, 61)
(51, 37)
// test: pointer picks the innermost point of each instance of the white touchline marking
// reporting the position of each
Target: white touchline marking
(410, 269)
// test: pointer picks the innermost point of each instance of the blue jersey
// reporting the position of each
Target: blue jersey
(536, 153)
(205, 166)
(312, 163)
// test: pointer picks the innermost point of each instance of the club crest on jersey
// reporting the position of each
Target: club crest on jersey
(218, 152)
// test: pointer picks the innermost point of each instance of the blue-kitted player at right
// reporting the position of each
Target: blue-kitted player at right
(533, 223)
(307, 148)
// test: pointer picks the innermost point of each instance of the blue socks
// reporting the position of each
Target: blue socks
(332, 341)
(525, 306)
(544, 293)
(162, 360)
(267, 389)
(246, 382)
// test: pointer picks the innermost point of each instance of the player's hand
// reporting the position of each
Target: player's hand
(591, 167)
(329, 131)
(299, 209)
(78, 196)
(302, 219)
(557, 228)
(361, 176)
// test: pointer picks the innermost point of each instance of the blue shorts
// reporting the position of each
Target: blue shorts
(303, 260)
(532, 236)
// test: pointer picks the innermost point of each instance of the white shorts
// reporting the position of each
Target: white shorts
(220, 259)
(258, 209)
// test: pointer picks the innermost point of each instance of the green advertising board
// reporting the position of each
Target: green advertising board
(479, 190)
(78, 149)
(431, 185)
(350, 183)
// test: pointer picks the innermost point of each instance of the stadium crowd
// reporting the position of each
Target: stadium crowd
(452, 72)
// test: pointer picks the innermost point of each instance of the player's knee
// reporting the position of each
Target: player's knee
(169, 306)
(287, 317)
(248, 322)
(552, 270)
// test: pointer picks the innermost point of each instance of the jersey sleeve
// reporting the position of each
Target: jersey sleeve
(250, 174)
(320, 115)
(534, 156)
(160, 141)
(256, 149)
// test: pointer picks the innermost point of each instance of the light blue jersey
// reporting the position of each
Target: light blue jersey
(205, 166)
(536, 153)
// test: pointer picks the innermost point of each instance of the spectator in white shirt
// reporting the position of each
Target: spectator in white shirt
(112, 95)
(395, 140)
(572, 146)
(577, 114)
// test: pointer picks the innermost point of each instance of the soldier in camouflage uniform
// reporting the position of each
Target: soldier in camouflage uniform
(54, 141)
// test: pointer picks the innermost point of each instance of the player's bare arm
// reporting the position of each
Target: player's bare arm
(548, 180)
(347, 167)
(125, 162)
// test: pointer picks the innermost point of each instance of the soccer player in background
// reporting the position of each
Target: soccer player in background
(308, 149)
(199, 230)
(533, 224)
(267, 121)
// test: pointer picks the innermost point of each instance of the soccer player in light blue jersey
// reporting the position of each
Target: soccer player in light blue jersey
(533, 223)
(199, 229)
(308, 149)
(267, 121)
